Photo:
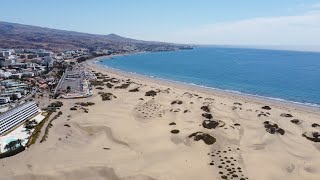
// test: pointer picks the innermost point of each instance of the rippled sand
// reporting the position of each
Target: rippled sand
(171, 136)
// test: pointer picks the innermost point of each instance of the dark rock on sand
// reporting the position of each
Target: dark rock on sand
(273, 128)
(224, 177)
(209, 124)
(285, 115)
(56, 104)
(208, 139)
(172, 124)
(207, 115)
(85, 104)
(175, 131)
(186, 111)
(296, 121)
(266, 107)
(109, 85)
(106, 96)
(123, 86)
(134, 90)
(237, 103)
(314, 136)
(151, 93)
(280, 131)
(205, 109)
(99, 88)
(315, 125)
(176, 102)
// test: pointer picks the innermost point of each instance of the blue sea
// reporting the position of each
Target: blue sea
(284, 75)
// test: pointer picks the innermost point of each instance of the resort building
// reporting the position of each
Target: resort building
(14, 117)
(5, 53)
(4, 74)
(4, 100)
(10, 83)
(4, 62)
(13, 89)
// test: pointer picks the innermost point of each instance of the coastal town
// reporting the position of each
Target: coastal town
(32, 81)
(29, 75)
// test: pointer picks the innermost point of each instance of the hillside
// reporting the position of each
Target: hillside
(13, 35)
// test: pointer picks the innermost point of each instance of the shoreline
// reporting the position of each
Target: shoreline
(137, 127)
(279, 103)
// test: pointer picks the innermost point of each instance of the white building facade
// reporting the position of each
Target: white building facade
(14, 117)
(4, 100)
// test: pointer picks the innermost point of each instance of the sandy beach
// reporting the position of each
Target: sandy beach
(143, 128)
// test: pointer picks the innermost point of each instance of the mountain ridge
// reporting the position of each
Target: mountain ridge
(15, 35)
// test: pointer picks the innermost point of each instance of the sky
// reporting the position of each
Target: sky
(211, 22)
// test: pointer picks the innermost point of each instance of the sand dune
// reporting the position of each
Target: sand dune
(157, 130)
(85, 173)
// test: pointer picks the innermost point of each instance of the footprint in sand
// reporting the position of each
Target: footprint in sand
(148, 110)
(226, 163)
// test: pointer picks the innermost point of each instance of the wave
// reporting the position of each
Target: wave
(213, 88)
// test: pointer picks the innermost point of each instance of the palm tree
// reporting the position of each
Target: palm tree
(11, 146)
(19, 141)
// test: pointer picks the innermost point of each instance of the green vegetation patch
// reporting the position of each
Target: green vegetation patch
(37, 130)
(45, 136)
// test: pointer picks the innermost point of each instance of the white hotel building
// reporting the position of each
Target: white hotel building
(14, 117)
(4, 100)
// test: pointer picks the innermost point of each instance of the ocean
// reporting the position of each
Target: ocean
(283, 75)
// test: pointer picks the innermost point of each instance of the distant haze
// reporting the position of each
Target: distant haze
(314, 48)
(310, 48)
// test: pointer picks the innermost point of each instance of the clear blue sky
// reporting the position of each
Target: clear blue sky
(186, 21)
